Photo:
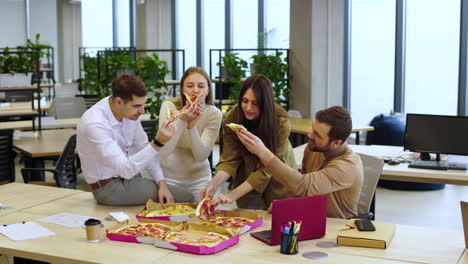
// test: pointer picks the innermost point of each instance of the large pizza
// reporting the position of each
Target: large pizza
(209, 239)
(235, 222)
(156, 230)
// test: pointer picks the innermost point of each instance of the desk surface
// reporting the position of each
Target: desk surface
(304, 125)
(57, 123)
(410, 244)
(18, 196)
(18, 106)
(48, 143)
(400, 172)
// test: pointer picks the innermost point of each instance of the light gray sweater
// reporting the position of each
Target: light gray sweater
(185, 156)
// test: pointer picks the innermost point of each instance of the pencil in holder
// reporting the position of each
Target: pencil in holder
(289, 243)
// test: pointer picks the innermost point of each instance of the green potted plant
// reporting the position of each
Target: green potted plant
(153, 71)
(15, 68)
(39, 46)
(276, 68)
(234, 69)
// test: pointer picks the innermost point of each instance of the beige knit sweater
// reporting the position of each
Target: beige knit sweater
(185, 156)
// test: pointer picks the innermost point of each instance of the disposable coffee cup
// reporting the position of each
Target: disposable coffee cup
(93, 230)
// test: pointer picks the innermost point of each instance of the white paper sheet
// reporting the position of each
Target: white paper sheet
(67, 219)
(24, 231)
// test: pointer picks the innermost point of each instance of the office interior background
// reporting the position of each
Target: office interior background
(371, 56)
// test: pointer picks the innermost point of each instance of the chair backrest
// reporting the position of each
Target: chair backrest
(150, 128)
(67, 107)
(66, 166)
(372, 169)
(7, 156)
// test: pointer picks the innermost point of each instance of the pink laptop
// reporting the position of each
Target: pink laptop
(311, 210)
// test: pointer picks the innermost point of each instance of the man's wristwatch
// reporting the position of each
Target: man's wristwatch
(157, 143)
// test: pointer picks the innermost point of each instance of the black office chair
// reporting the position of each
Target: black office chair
(150, 127)
(7, 155)
(66, 171)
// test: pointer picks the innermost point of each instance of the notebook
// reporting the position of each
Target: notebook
(311, 210)
(464, 211)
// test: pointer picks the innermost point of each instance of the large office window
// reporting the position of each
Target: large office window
(122, 19)
(245, 26)
(96, 19)
(372, 58)
(277, 23)
(186, 28)
(213, 33)
(432, 54)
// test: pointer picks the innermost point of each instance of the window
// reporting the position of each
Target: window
(122, 23)
(187, 30)
(96, 22)
(432, 54)
(277, 23)
(245, 26)
(372, 58)
(213, 33)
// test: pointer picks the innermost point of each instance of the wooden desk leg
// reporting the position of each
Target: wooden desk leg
(34, 163)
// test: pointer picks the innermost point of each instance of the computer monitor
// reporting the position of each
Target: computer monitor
(437, 134)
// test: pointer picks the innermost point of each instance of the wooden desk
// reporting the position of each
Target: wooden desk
(464, 258)
(58, 123)
(19, 106)
(49, 143)
(400, 172)
(410, 244)
(303, 126)
(18, 196)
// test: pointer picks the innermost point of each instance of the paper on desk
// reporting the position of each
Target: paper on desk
(66, 219)
(24, 231)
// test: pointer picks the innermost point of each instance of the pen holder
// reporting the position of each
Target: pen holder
(289, 244)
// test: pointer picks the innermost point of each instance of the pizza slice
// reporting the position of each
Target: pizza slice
(236, 127)
(171, 115)
(232, 222)
(205, 210)
(193, 99)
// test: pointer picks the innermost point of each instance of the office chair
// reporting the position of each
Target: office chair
(150, 128)
(372, 170)
(7, 155)
(67, 107)
(66, 171)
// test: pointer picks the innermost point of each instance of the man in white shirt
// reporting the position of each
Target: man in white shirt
(114, 148)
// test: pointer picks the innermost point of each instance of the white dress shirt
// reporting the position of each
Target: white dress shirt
(109, 148)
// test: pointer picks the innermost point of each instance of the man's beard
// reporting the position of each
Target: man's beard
(317, 149)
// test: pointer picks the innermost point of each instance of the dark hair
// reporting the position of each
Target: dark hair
(127, 85)
(339, 120)
(267, 123)
(187, 73)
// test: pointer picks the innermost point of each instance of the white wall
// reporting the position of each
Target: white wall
(12, 23)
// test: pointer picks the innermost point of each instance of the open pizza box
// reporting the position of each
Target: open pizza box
(191, 233)
(179, 212)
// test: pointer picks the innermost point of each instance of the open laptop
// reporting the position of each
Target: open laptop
(311, 210)
(464, 211)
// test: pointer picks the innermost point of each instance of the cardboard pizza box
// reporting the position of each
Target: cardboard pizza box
(191, 230)
(152, 206)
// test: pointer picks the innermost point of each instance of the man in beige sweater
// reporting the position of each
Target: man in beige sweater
(328, 166)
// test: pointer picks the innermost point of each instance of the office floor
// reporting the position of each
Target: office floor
(423, 208)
